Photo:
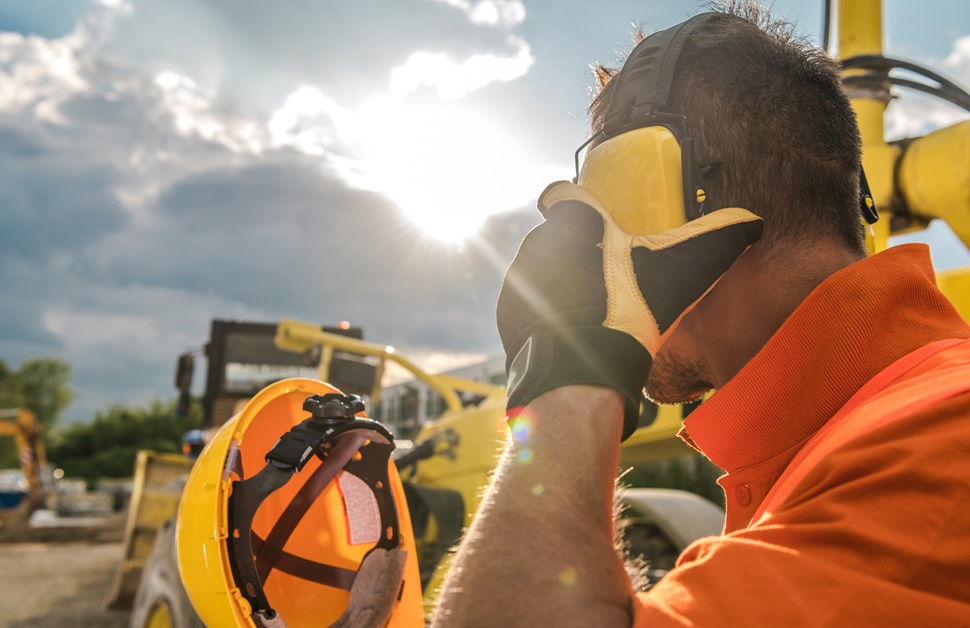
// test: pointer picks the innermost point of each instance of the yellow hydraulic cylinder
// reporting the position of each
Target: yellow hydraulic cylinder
(934, 177)
(860, 33)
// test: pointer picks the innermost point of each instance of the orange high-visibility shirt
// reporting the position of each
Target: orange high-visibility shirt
(875, 532)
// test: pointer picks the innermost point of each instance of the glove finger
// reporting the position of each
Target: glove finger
(556, 278)
(552, 195)
(692, 258)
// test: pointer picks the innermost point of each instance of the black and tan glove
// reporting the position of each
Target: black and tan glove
(585, 303)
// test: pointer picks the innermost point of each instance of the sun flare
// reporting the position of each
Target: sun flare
(448, 170)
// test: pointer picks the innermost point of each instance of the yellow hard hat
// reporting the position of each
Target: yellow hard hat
(294, 515)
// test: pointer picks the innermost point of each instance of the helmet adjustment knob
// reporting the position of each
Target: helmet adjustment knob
(333, 408)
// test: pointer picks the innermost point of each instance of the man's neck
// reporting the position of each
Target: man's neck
(757, 296)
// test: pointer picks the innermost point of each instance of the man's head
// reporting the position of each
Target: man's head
(771, 109)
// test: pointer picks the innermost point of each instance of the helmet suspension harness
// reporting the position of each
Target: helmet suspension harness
(339, 438)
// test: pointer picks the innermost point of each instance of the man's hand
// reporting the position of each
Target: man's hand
(585, 303)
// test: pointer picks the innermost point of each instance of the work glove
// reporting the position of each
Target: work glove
(585, 303)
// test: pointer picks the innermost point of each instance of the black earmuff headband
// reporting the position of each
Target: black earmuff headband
(643, 85)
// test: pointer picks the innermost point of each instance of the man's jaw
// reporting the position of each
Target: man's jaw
(675, 378)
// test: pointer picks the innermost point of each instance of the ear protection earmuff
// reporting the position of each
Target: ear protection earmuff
(641, 165)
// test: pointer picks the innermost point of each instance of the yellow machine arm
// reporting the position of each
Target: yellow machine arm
(302, 337)
(934, 178)
(22, 425)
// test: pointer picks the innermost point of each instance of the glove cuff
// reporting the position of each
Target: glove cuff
(595, 356)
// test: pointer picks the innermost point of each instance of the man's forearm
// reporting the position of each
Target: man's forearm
(541, 550)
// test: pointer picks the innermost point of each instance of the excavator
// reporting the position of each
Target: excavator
(913, 181)
(19, 502)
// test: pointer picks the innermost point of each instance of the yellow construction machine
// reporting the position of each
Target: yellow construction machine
(448, 465)
(22, 498)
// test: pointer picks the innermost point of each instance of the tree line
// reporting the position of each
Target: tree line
(107, 445)
(40, 385)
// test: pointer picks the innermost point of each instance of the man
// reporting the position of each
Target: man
(842, 417)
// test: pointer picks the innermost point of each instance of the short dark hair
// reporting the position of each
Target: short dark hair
(772, 108)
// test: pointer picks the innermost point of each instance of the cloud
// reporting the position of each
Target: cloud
(959, 57)
(278, 236)
(446, 167)
(454, 80)
(51, 201)
(310, 121)
(252, 52)
(39, 74)
(504, 13)
(287, 238)
(23, 283)
(118, 5)
(122, 340)
(192, 111)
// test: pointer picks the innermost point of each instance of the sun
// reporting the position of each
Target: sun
(445, 164)
(447, 227)
(448, 169)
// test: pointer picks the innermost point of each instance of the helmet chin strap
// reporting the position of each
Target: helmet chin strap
(336, 435)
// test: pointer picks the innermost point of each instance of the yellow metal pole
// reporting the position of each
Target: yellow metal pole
(932, 174)
(860, 33)
(326, 357)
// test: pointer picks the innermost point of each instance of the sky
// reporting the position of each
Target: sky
(376, 161)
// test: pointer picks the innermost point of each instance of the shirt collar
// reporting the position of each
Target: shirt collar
(852, 326)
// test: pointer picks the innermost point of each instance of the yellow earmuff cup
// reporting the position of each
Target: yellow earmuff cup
(637, 177)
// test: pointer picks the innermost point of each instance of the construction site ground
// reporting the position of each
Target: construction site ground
(58, 576)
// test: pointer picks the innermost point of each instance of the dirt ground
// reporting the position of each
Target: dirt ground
(50, 581)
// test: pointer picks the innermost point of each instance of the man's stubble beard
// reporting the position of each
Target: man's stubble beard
(675, 378)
